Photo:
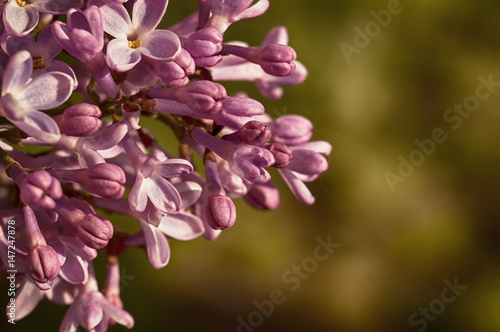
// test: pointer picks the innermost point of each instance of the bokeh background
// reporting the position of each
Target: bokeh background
(397, 247)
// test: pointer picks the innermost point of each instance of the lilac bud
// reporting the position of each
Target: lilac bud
(255, 133)
(242, 106)
(220, 212)
(81, 120)
(204, 96)
(95, 231)
(174, 73)
(39, 189)
(204, 46)
(105, 180)
(277, 59)
(292, 129)
(263, 196)
(43, 263)
(282, 154)
(308, 162)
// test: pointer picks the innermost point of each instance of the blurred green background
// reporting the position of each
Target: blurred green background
(397, 247)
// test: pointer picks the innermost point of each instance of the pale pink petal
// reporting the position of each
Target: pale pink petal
(57, 7)
(47, 45)
(138, 197)
(75, 245)
(120, 56)
(157, 245)
(321, 147)
(298, 188)
(116, 20)
(74, 270)
(70, 321)
(59, 66)
(190, 192)
(14, 44)
(62, 292)
(163, 194)
(39, 125)
(277, 35)
(89, 311)
(256, 10)
(119, 315)
(20, 20)
(161, 45)
(28, 296)
(47, 91)
(182, 226)
(147, 14)
(17, 73)
(174, 167)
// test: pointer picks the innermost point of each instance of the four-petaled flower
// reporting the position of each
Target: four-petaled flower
(23, 97)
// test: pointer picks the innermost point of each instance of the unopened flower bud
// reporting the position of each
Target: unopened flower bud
(105, 180)
(43, 264)
(204, 96)
(282, 154)
(292, 129)
(204, 46)
(255, 133)
(263, 196)
(39, 189)
(220, 212)
(81, 120)
(174, 72)
(95, 231)
(277, 59)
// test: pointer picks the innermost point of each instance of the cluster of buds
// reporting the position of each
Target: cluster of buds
(98, 159)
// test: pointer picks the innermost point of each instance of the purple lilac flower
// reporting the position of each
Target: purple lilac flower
(23, 97)
(151, 179)
(269, 86)
(101, 154)
(137, 37)
(21, 17)
(82, 37)
(42, 51)
(90, 308)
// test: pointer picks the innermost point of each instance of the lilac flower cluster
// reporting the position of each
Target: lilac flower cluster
(86, 113)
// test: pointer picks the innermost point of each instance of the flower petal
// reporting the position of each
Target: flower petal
(28, 296)
(161, 45)
(39, 125)
(190, 191)
(59, 66)
(47, 45)
(255, 10)
(277, 35)
(57, 7)
(119, 315)
(147, 14)
(115, 20)
(174, 167)
(17, 73)
(74, 270)
(182, 226)
(70, 322)
(89, 311)
(120, 56)
(47, 91)
(138, 197)
(19, 20)
(297, 187)
(163, 194)
(157, 245)
(14, 44)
